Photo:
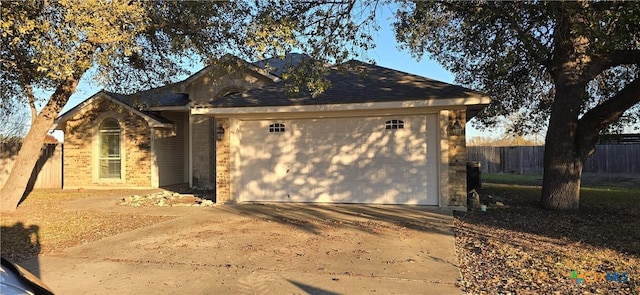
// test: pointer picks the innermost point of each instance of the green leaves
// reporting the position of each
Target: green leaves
(46, 42)
(510, 55)
(133, 45)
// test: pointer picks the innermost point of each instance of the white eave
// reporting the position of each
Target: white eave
(339, 110)
(170, 108)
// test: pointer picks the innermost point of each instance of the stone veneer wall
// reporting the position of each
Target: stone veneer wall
(81, 147)
(457, 162)
(223, 163)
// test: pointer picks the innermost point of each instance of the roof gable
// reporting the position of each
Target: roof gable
(151, 118)
(227, 60)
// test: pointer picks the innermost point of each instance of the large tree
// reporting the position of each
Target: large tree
(573, 62)
(573, 65)
(49, 46)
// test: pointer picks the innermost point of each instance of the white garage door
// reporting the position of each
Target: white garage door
(382, 160)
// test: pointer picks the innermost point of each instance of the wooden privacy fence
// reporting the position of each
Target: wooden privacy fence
(48, 170)
(608, 158)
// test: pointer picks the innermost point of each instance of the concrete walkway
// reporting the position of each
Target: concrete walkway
(264, 249)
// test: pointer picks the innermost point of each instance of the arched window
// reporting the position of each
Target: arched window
(230, 90)
(394, 124)
(276, 128)
(109, 158)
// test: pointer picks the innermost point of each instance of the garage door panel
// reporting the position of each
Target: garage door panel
(347, 160)
(300, 193)
(316, 126)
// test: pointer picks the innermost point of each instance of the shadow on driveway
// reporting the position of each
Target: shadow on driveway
(267, 249)
(311, 217)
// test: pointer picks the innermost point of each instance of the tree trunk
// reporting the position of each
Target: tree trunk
(14, 189)
(563, 154)
(562, 157)
(566, 148)
(562, 161)
(562, 174)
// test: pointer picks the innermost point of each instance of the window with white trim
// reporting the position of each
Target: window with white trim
(109, 156)
(394, 124)
(276, 128)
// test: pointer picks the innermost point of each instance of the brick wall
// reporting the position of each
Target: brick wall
(81, 147)
(223, 164)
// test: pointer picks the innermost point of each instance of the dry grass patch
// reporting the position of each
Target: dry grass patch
(520, 248)
(41, 226)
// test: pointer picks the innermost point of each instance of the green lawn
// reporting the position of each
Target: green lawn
(508, 178)
(609, 190)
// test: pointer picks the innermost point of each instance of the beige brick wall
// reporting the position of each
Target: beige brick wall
(81, 147)
(223, 164)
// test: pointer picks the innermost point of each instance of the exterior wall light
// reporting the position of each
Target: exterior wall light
(219, 132)
(455, 128)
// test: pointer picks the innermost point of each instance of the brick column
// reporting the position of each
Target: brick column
(223, 164)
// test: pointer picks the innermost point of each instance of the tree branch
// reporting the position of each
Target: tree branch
(99, 41)
(601, 62)
(61, 95)
(32, 101)
(597, 118)
(538, 50)
(25, 77)
(611, 110)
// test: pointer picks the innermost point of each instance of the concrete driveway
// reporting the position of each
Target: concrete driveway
(264, 249)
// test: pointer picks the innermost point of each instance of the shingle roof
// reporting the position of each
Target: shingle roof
(116, 98)
(359, 83)
(136, 103)
(153, 98)
(278, 66)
